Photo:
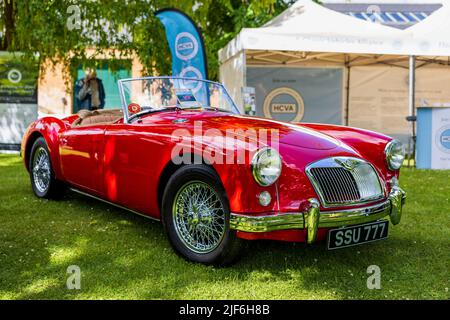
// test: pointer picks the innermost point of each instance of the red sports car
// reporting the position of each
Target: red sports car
(180, 152)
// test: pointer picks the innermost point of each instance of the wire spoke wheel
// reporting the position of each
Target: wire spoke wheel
(41, 170)
(199, 217)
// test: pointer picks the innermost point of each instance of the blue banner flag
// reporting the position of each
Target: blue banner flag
(187, 48)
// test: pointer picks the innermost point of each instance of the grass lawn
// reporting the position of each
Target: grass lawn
(124, 256)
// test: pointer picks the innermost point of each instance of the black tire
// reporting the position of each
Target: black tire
(228, 248)
(54, 189)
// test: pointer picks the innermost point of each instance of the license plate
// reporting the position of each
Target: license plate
(355, 235)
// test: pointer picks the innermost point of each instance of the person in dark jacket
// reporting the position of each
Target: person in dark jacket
(89, 92)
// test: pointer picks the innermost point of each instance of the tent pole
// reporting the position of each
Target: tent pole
(347, 100)
(412, 107)
(412, 86)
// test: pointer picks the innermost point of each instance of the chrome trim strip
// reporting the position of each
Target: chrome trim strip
(278, 196)
(266, 223)
(112, 203)
(355, 216)
(123, 102)
(313, 219)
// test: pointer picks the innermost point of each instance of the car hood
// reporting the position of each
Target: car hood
(290, 134)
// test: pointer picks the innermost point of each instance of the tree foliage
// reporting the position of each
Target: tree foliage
(49, 28)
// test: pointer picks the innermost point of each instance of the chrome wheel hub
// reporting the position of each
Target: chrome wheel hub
(199, 217)
(41, 170)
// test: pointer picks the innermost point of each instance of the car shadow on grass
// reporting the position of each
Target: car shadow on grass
(134, 260)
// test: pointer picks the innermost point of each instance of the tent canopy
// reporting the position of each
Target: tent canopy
(307, 27)
(434, 29)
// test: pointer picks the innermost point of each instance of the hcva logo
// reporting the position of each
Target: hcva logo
(185, 46)
(283, 108)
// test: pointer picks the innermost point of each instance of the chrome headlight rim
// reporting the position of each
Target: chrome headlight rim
(388, 152)
(254, 166)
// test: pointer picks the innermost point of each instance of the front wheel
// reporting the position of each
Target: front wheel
(196, 216)
(42, 176)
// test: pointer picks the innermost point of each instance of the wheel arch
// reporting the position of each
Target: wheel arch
(236, 179)
(170, 168)
(29, 145)
(49, 129)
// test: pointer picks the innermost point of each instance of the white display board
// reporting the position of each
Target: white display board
(433, 138)
(440, 147)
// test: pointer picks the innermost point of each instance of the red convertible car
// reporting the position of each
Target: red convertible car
(179, 151)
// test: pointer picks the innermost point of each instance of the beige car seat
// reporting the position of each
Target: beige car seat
(87, 118)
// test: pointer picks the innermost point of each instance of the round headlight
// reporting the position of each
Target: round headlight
(266, 166)
(395, 154)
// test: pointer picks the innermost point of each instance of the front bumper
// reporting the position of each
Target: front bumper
(312, 218)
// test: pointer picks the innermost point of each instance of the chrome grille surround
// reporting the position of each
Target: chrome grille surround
(345, 181)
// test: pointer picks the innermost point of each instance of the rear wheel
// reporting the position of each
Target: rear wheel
(196, 216)
(42, 175)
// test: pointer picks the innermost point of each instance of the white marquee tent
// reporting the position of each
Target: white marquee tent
(434, 32)
(307, 26)
(310, 34)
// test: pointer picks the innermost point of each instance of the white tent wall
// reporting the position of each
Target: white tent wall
(233, 76)
(379, 96)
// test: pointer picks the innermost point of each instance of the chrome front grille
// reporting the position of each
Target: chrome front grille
(345, 181)
(337, 184)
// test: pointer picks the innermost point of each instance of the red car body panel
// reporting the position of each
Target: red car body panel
(125, 163)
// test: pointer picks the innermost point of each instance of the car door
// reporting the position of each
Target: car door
(81, 151)
(135, 155)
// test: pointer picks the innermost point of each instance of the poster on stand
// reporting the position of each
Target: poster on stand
(298, 94)
(18, 98)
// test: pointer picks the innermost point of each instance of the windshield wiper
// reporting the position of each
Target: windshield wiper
(150, 111)
(218, 109)
(205, 108)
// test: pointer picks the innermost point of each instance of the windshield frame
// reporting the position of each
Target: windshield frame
(126, 117)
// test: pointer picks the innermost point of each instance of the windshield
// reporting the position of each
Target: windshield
(151, 94)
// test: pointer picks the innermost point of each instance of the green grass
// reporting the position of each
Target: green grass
(124, 256)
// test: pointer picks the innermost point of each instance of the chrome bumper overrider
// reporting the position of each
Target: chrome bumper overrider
(312, 218)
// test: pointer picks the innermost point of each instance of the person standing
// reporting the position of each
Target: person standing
(89, 92)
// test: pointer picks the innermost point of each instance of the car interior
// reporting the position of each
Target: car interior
(87, 117)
